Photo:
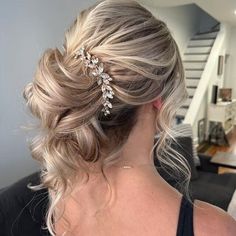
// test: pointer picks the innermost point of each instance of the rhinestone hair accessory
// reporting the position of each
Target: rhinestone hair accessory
(103, 78)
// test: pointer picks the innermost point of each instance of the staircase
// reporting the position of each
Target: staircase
(194, 60)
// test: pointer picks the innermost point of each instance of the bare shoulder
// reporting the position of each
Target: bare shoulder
(212, 220)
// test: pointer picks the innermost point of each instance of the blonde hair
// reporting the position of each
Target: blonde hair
(141, 56)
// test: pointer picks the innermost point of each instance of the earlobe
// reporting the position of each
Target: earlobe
(157, 103)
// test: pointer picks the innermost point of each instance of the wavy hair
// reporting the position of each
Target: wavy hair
(141, 56)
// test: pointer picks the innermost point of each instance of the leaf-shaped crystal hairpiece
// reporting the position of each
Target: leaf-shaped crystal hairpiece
(103, 78)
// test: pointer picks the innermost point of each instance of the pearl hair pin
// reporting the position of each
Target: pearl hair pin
(103, 78)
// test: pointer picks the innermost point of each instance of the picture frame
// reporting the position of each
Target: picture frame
(225, 94)
(220, 65)
(201, 130)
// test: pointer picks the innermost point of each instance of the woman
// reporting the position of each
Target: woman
(101, 100)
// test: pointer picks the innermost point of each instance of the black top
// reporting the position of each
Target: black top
(22, 210)
(185, 224)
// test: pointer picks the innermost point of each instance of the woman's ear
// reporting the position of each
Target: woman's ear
(157, 103)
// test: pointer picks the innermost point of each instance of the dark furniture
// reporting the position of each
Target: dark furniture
(212, 187)
(224, 159)
(206, 184)
(22, 210)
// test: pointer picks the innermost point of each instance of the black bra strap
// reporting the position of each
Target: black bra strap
(185, 223)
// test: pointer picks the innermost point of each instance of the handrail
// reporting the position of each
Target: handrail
(205, 79)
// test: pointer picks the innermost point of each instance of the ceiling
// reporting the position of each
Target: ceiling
(223, 11)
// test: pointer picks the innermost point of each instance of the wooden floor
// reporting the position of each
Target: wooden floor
(212, 149)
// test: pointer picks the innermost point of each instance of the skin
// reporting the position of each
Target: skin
(142, 203)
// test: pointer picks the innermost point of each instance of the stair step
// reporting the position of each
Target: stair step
(187, 102)
(195, 61)
(202, 42)
(215, 29)
(195, 53)
(196, 78)
(181, 112)
(194, 65)
(198, 50)
(193, 57)
(185, 107)
(191, 87)
(202, 38)
(193, 73)
(199, 46)
(194, 69)
(191, 91)
(206, 35)
(191, 82)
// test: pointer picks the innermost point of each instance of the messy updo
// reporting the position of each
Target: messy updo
(141, 56)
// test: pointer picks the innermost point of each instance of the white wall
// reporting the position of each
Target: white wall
(230, 69)
(27, 28)
(206, 21)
